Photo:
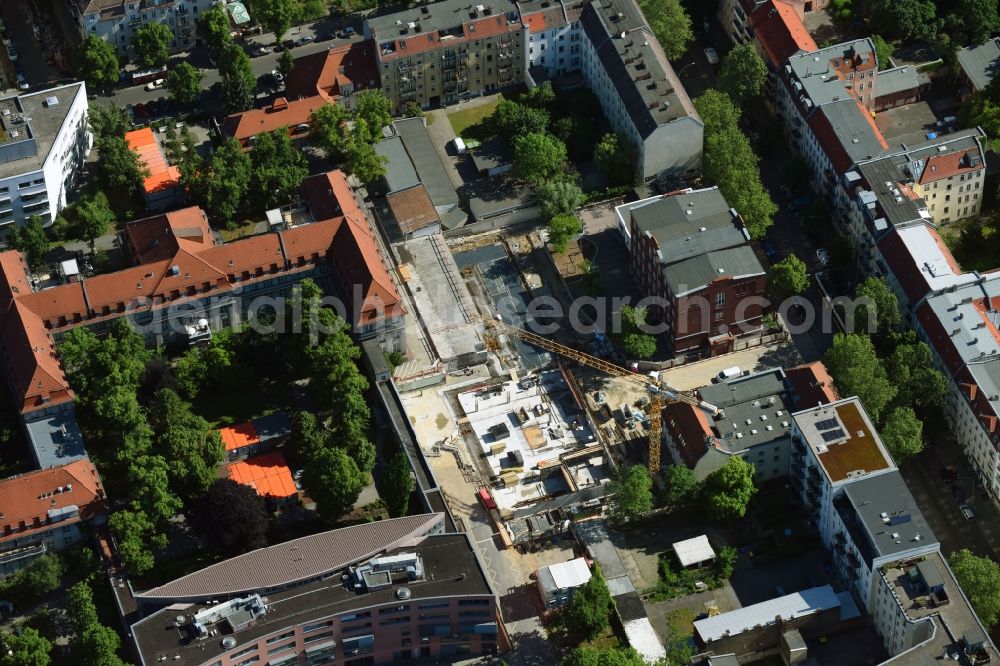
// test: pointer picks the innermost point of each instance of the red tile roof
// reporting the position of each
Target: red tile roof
(780, 31)
(281, 113)
(238, 436)
(948, 165)
(332, 73)
(159, 237)
(32, 365)
(268, 474)
(811, 385)
(488, 26)
(412, 208)
(27, 499)
(688, 428)
(544, 19)
(162, 176)
(13, 277)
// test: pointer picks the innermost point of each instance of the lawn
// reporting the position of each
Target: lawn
(469, 122)
(242, 230)
(972, 250)
(679, 623)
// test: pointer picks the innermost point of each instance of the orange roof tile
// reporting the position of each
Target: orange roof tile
(947, 165)
(543, 20)
(334, 72)
(780, 31)
(159, 237)
(27, 499)
(162, 176)
(32, 365)
(811, 384)
(688, 427)
(238, 436)
(267, 474)
(482, 28)
(281, 113)
(13, 276)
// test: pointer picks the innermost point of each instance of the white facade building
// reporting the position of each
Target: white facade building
(554, 45)
(116, 21)
(45, 143)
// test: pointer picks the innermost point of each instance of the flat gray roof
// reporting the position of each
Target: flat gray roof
(980, 62)
(898, 79)
(688, 224)
(882, 516)
(400, 173)
(755, 409)
(56, 440)
(852, 129)
(815, 72)
(44, 119)
(423, 155)
(443, 15)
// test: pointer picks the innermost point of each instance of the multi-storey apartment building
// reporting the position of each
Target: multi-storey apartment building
(375, 593)
(639, 92)
(553, 46)
(43, 143)
(774, 26)
(116, 21)
(44, 511)
(690, 251)
(444, 52)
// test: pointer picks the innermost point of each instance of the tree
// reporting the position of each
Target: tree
(226, 183)
(213, 28)
(728, 490)
(512, 119)
(397, 485)
(278, 169)
(98, 646)
(96, 217)
(188, 441)
(373, 107)
(907, 19)
(884, 307)
(328, 128)
(542, 96)
(631, 493)
(31, 584)
(788, 277)
(286, 61)
(184, 83)
(856, 370)
(976, 20)
(561, 229)
(590, 608)
(717, 111)
(558, 197)
(28, 648)
(232, 517)
(903, 434)
(136, 538)
(151, 43)
(96, 62)
(918, 382)
(633, 336)
(107, 121)
(80, 607)
(238, 80)
(121, 165)
(980, 580)
(742, 74)
(591, 656)
(538, 157)
(334, 481)
(30, 240)
(308, 438)
(670, 24)
(275, 16)
(681, 487)
(883, 51)
(615, 154)
(363, 161)
(148, 477)
(725, 561)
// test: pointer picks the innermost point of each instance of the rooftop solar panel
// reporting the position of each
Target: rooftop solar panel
(826, 424)
(833, 435)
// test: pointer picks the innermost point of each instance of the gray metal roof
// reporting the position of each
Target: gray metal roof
(443, 15)
(56, 440)
(898, 79)
(44, 121)
(697, 272)
(400, 173)
(980, 62)
(852, 129)
(689, 224)
(882, 516)
(897, 209)
(491, 154)
(761, 399)
(635, 63)
(272, 426)
(297, 560)
(815, 72)
(430, 170)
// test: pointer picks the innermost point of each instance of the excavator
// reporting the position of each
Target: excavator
(660, 394)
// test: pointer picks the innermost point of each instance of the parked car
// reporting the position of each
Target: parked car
(967, 512)
(22, 82)
(153, 85)
(799, 203)
(263, 50)
(769, 249)
(140, 110)
(822, 256)
(304, 39)
(712, 56)
(346, 33)
(276, 75)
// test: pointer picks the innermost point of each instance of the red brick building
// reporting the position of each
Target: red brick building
(690, 252)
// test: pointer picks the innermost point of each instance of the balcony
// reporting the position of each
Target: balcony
(23, 552)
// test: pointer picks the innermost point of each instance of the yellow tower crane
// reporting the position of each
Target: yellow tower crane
(660, 394)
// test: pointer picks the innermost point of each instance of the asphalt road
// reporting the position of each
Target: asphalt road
(31, 60)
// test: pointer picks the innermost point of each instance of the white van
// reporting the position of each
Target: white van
(728, 373)
(459, 146)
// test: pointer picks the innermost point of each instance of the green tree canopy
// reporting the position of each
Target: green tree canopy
(334, 481)
(30, 240)
(184, 83)
(397, 485)
(561, 229)
(28, 586)
(681, 487)
(29, 648)
(238, 80)
(742, 74)
(633, 337)
(615, 154)
(213, 28)
(884, 308)
(717, 111)
(883, 51)
(136, 537)
(275, 16)
(225, 185)
(120, 165)
(918, 382)
(590, 608)
(670, 24)
(542, 96)
(856, 370)
(278, 169)
(902, 434)
(974, 21)
(286, 61)
(513, 119)
(188, 441)
(232, 517)
(591, 656)
(363, 161)
(80, 607)
(96, 217)
(373, 107)
(729, 489)
(107, 121)
(96, 62)
(631, 493)
(558, 197)
(788, 277)
(152, 44)
(328, 128)
(980, 580)
(907, 19)
(98, 647)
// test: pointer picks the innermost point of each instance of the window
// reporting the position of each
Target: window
(318, 625)
(720, 299)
